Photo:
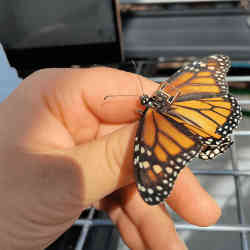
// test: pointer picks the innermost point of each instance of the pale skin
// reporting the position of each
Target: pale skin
(63, 148)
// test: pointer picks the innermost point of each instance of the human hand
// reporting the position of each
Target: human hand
(63, 148)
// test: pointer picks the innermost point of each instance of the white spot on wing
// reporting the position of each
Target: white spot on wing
(136, 147)
(146, 164)
(149, 153)
(150, 191)
(169, 170)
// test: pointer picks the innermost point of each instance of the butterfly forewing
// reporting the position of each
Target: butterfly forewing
(204, 78)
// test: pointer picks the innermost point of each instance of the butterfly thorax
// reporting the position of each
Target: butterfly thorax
(161, 101)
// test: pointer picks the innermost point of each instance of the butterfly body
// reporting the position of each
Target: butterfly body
(192, 114)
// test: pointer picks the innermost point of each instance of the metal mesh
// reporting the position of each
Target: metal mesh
(237, 173)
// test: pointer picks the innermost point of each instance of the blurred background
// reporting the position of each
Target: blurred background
(154, 39)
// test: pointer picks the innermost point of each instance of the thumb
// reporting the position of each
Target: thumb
(105, 163)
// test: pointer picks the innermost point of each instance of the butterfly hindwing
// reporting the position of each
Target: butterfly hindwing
(213, 119)
(209, 152)
(162, 148)
(233, 116)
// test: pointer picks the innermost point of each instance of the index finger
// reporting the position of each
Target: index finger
(125, 89)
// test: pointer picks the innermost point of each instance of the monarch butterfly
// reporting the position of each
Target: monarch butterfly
(191, 114)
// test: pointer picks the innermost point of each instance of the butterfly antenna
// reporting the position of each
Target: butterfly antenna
(137, 69)
(109, 96)
(141, 86)
(139, 66)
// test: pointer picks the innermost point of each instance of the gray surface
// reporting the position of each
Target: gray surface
(183, 33)
(55, 23)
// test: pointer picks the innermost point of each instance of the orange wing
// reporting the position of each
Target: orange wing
(190, 114)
